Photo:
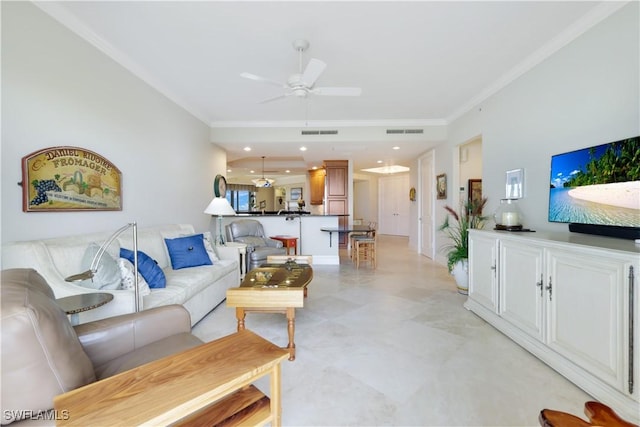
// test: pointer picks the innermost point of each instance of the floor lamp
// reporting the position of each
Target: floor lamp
(95, 263)
(219, 206)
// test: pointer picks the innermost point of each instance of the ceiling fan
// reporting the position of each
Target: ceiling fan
(301, 84)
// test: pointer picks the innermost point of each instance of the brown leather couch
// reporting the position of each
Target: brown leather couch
(43, 355)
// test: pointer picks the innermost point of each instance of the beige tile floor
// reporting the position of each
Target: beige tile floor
(394, 346)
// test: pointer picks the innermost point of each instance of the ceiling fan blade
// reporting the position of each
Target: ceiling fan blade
(274, 98)
(315, 67)
(262, 79)
(337, 91)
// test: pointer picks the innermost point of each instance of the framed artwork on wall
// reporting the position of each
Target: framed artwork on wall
(441, 186)
(296, 193)
(514, 185)
(63, 178)
(475, 191)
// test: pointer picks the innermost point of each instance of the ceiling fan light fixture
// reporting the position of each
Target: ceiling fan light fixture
(300, 93)
(302, 83)
(263, 182)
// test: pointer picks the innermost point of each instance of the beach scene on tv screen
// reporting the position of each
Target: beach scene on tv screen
(597, 185)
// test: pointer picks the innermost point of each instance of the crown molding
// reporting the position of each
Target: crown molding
(588, 21)
(70, 21)
(329, 123)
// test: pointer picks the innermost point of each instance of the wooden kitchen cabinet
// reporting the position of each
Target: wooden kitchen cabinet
(337, 194)
(336, 178)
(316, 184)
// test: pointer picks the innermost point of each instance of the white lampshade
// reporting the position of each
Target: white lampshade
(219, 206)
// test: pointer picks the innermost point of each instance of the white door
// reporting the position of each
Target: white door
(425, 196)
(394, 205)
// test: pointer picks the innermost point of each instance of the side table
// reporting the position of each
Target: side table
(288, 242)
(75, 304)
(233, 250)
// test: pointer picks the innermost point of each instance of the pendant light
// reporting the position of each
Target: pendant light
(263, 182)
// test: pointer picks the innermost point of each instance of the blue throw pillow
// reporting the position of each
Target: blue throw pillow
(147, 267)
(187, 251)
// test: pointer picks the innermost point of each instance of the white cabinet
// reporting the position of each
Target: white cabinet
(569, 300)
(483, 286)
(522, 286)
(586, 316)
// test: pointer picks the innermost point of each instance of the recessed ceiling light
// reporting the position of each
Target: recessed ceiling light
(396, 148)
(287, 171)
(303, 148)
(252, 171)
(228, 170)
(379, 161)
(388, 169)
(247, 148)
(314, 168)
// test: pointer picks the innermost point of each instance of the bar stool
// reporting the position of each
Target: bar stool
(356, 221)
(365, 249)
(372, 226)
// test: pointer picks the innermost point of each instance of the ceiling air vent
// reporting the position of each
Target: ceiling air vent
(399, 131)
(319, 132)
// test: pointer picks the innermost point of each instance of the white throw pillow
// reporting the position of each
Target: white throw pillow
(127, 282)
(107, 276)
(208, 245)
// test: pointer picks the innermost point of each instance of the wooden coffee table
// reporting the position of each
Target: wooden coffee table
(272, 288)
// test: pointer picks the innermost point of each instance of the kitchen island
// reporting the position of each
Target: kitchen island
(305, 227)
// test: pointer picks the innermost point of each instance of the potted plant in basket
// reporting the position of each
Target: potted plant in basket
(456, 226)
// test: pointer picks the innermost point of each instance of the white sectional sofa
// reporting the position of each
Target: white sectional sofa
(199, 289)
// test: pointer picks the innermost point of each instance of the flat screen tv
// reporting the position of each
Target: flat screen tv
(597, 189)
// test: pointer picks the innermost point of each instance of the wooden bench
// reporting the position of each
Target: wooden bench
(246, 407)
(210, 384)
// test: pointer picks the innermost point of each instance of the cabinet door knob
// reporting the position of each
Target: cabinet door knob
(549, 288)
(539, 284)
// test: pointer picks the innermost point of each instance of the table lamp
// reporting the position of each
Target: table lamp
(95, 263)
(219, 206)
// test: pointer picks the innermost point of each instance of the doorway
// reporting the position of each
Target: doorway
(426, 214)
(470, 168)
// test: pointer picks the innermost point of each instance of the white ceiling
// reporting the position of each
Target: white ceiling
(420, 64)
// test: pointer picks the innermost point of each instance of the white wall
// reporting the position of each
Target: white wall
(587, 93)
(59, 90)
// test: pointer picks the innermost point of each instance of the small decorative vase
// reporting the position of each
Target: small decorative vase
(508, 216)
(460, 273)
